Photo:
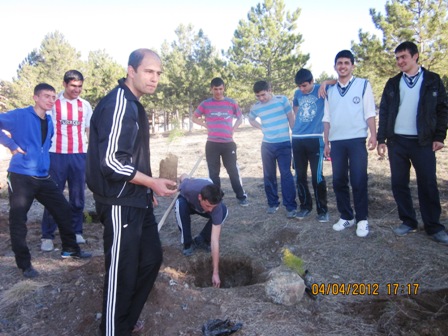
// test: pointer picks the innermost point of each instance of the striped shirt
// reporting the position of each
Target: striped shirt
(274, 119)
(219, 116)
(70, 119)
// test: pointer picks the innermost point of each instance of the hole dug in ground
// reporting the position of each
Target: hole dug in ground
(234, 272)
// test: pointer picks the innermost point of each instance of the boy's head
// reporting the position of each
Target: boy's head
(345, 54)
(263, 91)
(210, 196)
(304, 80)
(344, 63)
(43, 87)
(406, 55)
(72, 83)
(217, 88)
(44, 97)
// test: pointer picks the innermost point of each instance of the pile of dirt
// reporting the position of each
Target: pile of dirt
(401, 283)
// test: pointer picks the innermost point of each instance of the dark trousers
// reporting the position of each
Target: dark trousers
(271, 155)
(402, 153)
(310, 150)
(70, 169)
(133, 256)
(23, 190)
(214, 151)
(350, 156)
(183, 211)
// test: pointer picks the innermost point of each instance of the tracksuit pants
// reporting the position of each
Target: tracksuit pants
(214, 151)
(70, 169)
(183, 211)
(271, 155)
(310, 150)
(23, 189)
(350, 156)
(402, 153)
(133, 256)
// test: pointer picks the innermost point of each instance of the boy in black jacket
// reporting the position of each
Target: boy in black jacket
(413, 122)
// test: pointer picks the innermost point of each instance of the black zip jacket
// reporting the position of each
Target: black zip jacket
(432, 111)
(118, 148)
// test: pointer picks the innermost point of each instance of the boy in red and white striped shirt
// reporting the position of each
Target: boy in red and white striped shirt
(71, 118)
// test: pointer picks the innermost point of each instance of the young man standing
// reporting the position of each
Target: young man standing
(31, 131)
(217, 114)
(71, 119)
(119, 175)
(349, 113)
(308, 145)
(276, 116)
(413, 123)
(204, 198)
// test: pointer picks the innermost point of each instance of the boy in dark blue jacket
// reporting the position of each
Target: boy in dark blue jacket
(30, 131)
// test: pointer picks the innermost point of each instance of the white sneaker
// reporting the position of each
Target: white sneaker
(362, 229)
(80, 239)
(342, 224)
(47, 245)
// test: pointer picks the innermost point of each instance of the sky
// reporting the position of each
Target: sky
(119, 27)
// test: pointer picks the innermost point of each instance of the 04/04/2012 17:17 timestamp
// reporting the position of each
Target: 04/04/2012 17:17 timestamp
(356, 288)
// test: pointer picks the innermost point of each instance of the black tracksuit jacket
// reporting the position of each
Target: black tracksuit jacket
(118, 148)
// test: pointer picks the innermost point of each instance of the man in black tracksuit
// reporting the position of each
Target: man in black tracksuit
(413, 123)
(119, 175)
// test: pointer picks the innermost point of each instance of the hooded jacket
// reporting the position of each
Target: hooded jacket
(118, 148)
(432, 111)
(25, 128)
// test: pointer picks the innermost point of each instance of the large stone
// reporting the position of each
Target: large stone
(284, 286)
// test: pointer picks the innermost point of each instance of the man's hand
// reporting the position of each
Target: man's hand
(382, 150)
(437, 145)
(160, 187)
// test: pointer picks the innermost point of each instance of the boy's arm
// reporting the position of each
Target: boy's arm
(216, 233)
(322, 93)
(7, 122)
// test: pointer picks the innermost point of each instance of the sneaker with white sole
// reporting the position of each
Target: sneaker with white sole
(323, 218)
(80, 239)
(343, 223)
(362, 228)
(47, 245)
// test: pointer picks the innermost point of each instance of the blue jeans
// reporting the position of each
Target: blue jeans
(70, 169)
(350, 156)
(271, 155)
(402, 153)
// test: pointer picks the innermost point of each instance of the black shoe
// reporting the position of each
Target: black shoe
(403, 230)
(441, 237)
(76, 255)
(30, 273)
(202, 244)
(188, 251)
